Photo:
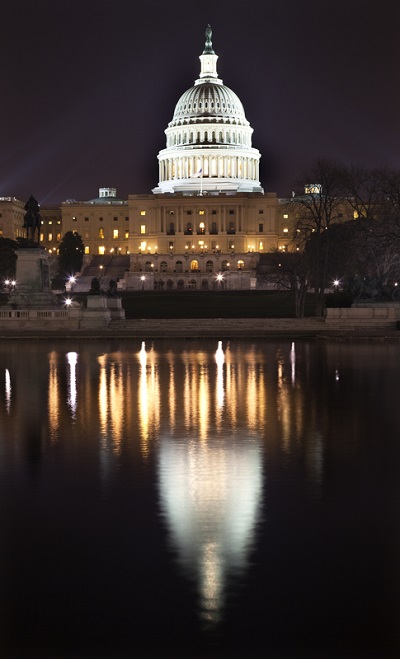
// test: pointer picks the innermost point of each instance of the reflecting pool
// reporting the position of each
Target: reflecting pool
(199, 499)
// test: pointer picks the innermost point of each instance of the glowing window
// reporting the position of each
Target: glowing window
(260, 245)
(240, 265)
(126, 234)
(142, 228)
(102, 249)
(143, 245)
(50, 222)
(86, 249)
(355, 215)
(285, 230)
(201, 212)
(286, 216)
(115, 233)
(59, 237)
(101, 233)
(194, 265)
(142, 212)
(50, 237)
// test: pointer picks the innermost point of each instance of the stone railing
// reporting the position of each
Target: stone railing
(15, 319)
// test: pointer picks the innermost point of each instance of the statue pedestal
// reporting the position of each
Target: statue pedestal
(32, 290)
(96, 315)
(114, 305)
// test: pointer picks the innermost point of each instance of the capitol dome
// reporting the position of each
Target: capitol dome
(209, 102)
(209, 148)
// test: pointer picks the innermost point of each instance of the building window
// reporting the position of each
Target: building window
(100, 219)
(286, 216)
(142, 212)
(194, 265)
(285, 230)
(232, 246)
(202, 227)
(86, 234)
(126, 234)
(189, 229)
(86, 219)
(127, 219)
(170, 245)
(101, 233)
(240, 264)
(179, 266)
(143, 245)
(115, 233)
(87, 249)
(261, 211)
(115, 219)
(209, 266)
(142, 228)
(50, 237)
(260, 245)
(213, 212)
(225, 265)
(50, 222)
(188, 212)
(231, 212)
(102, 249)
(163, 266)
(201, 212)
(58, 237)
(260, 227)
(73, 218)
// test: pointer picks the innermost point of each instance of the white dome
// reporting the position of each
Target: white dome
(209, 139)
(209, 101)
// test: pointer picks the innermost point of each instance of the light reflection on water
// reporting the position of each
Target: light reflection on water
(241, 445)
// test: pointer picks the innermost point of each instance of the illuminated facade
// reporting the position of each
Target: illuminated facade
(12, 213)
(206, 222)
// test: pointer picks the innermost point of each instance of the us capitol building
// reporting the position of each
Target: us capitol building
(206, 222)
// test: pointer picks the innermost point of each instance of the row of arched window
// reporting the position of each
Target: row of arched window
(213, 137)
(194, 266)
(192, 283)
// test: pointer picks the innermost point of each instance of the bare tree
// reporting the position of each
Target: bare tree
(289, 271)
(316, 210)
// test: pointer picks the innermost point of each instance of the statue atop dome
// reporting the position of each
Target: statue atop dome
(208, 46)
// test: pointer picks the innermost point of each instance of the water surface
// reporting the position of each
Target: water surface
(199, 499)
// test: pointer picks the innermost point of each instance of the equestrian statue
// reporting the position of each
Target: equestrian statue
(32, 219)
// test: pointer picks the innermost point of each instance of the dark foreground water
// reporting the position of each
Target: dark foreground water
(196, 499)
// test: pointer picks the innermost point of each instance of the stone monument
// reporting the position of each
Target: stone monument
(32, 290)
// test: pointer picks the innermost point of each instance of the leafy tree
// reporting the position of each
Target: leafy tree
(8, 258)
(70, 255)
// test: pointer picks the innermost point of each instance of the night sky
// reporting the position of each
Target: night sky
(87, 88)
